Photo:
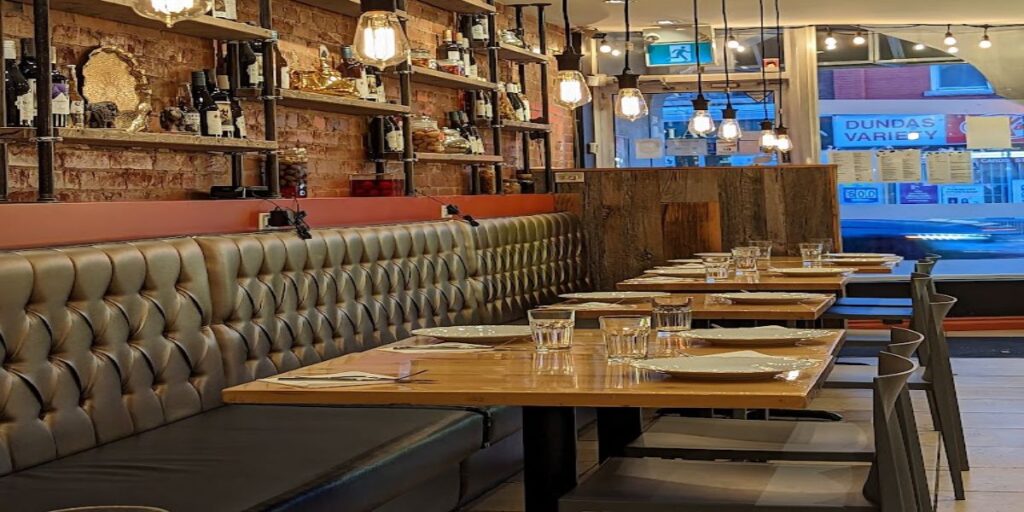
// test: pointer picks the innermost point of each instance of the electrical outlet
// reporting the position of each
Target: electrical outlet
(444, 212)
(263, 222)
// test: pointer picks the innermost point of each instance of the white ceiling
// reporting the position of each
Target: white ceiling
(744, 13)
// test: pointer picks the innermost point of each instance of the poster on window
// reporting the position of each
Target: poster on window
(648, 148)
(918, 193)
(890, 166)
(852, 166)
(962, 194)
(949, 167)
(911, 163)
(686, 147)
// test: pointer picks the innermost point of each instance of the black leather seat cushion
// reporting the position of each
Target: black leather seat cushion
(255, 458)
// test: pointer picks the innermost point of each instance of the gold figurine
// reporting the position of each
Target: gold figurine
(325, 80)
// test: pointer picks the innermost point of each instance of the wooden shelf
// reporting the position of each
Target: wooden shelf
(516, 54)
(445, 158)
(328, 103)
(144, 140)
(206, 27)
(437, 78)
(522, 126)
(462, 6)
(343, 7)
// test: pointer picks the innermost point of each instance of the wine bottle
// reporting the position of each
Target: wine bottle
(30, 70)
(15, 85)
(375, 84)
(352, 68)
(489, 105)
(255, 70)
(222, 100)
(209, 114)
(192, 121)
(246, 61)
(513, 98)
(471, 133)
(450, 50)
(284, 77)
(467, 56)
(59, 100)
(527, 113)
(480, 105)
(77, 117)
(394, 139)
(471, 67)
(479, 30)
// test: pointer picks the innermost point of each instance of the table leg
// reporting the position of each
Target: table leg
(549, 449)
(616, 428)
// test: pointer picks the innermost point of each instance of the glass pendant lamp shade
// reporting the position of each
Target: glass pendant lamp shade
(380, 41)
(767, 139)
(782, 141)
(701, 124)
(729, 130)
(630, 103)
(170, 12)
(571, 88)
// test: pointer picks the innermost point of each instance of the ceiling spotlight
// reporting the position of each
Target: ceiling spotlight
(732, 43)
(952, 49)
(859, 39)
(604, 47)
(949, 40)
(919, 46)
(616, 52)
(830, 39)
(985, 42)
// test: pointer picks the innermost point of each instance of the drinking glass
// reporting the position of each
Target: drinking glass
(763, 261)
(716, 267)
(625, 337)
(827, 246)
(745, 259)
(552, 328)
(672, 315)
(810, 253)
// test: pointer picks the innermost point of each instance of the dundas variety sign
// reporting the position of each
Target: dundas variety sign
(870, 131)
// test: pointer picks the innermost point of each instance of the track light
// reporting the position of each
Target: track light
(949, 40)
(859, 39)
(830, 39)
(985, 42)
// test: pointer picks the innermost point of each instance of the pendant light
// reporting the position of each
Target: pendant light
(630, 103)
(985, 43)
(767, 139)
(380, 40)
(170, 12)
(701, 124)
(729, 130)
(782, 141)
(571, 88)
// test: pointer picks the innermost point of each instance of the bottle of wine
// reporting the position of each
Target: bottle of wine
(246, 61)
(479, 30)
(480, 105)
(513, 98)
(450, 50)
(30, 70)
(488, 105)
(255, 70)
(475, 140)
(352, 68)
(209, 114)
(15, 85)
(77, 117)
(375, 85)
(284, 77)
(192, 121)
(60, 101)
(467, 53)
(471, 67)
(222, 100)
(527, 113)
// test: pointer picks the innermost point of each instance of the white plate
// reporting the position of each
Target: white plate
(883, 255)
(814, 271)
(685, 272)
(690, 260)
(713, 254)
(726, 367)
(761, 336)
(858, 261)
(613, 296)
(491, 333)
(769, 297)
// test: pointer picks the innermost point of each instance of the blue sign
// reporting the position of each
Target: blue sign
(962, 194)
(679, 53)
(918, 193)
(879, 131)
(861, 194)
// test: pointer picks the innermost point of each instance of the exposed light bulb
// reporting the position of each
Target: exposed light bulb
(953, 50)
(859, 39)
(616, 52)
(919, 46)
(767, 139)
(949, 40)
(170, 12)
(630, 104)
(741, 49)
(572, 89)
(732, 43)
(830, 47)
(985, 42)
(729, 130)
(604, 47)
(701, 124)
(830, 39)
(380, 41)
(783, 143)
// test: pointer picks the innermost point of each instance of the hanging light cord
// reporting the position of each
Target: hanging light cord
(625, 67)
(764, 72)
(696, 49)
(568, 31)
(778, 51)
(725, 54)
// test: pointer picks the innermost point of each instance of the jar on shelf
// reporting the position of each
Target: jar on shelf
(423, 57)
(293, 171)
(454, 143)
(487, 180)
(426, 136)
(372, 184)
(512, 186)
(451, 66)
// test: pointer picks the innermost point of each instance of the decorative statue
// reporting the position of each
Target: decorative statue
(172, 119)
(102, 114)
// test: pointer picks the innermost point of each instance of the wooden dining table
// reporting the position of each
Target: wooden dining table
(549, 386)
(706, 306)
(762, 282)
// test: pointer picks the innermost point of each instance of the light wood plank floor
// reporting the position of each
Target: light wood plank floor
(991, 400)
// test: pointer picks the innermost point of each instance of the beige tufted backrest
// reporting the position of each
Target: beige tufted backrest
(98, 343)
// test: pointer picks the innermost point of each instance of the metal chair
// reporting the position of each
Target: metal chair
(923, 266)
(713, 439)
(660, 485)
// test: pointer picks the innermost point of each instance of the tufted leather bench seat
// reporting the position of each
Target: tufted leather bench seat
(114, 357)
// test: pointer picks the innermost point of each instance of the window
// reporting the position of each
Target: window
(957, 80)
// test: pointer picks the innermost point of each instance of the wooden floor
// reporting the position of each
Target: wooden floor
(991, 400)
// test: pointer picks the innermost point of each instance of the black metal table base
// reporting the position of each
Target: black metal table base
(549, 449)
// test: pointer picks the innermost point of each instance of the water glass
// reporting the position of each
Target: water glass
(745, 259)
(827, 246)
(810, 253)
(716, 267)
(625, 337)
(552, 329)
(764, 261)
(673, 313)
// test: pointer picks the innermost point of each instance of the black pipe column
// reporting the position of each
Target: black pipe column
(45, 138)
(271, 177)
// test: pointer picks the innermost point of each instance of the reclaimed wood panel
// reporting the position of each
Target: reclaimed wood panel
(688, 228)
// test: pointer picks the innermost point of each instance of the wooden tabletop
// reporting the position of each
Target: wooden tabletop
(762, 283)
(707, 307)
(797, 262)
(516, 375)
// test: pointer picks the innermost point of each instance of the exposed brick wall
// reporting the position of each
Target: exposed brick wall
(335, 141)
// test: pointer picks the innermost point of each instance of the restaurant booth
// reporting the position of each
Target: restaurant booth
(482, 256)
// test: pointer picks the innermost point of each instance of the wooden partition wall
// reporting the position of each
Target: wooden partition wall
(638, 218)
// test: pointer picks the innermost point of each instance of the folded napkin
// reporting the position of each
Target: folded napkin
(444, 348)
(335, 383)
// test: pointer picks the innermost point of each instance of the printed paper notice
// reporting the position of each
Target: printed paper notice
(949, 167)
(649, 148)
(988, 132)
(890, 166)
(911, 163)
(687, 147)
(852, 166)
